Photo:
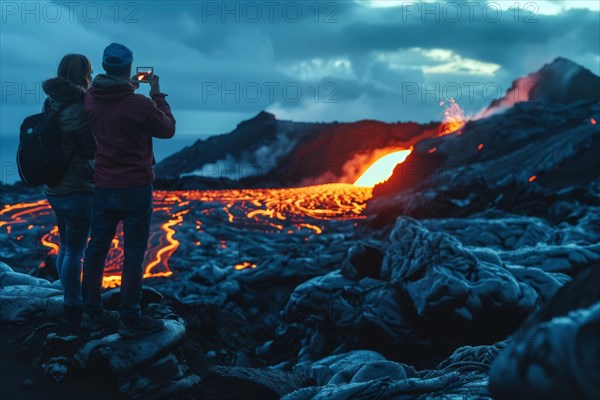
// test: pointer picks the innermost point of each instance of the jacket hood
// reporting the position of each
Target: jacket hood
(110, 89)
(62, 90)
(103, 80)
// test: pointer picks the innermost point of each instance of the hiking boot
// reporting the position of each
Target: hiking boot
(140, 326)
(98, 321)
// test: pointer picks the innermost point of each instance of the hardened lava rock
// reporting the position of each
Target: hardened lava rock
(557, 359)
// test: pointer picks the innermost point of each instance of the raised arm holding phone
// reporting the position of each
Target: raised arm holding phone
(124, 124)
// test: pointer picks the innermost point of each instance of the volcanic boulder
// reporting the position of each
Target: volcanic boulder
(432, 294)
(23, 297)
(366, 374)
(567, 347)
(146, 367)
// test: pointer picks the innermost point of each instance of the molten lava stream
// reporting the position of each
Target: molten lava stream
(162, 245)
(382, 169)
(166, 251)
(268, 211)
(46, 241)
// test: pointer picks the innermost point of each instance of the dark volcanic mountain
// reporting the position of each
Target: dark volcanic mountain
(264, 151)
(508, 161)
(267, 152)
(249, 141)
(546, 144)
(561, 81)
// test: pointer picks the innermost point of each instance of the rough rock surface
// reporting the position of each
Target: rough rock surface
(142, 368)
(431, 291)
(23, 296)
(238, 382)
(371, 376)
(485, 243)
(454, 183)
(557, 359)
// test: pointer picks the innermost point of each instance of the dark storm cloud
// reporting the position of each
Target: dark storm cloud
(221, 61)
(502, 42)
(354, 29)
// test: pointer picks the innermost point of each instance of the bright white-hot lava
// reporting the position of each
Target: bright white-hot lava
(382, 169)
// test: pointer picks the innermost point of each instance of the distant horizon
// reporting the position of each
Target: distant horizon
(342, 61)
(162, 150)
(165, 148)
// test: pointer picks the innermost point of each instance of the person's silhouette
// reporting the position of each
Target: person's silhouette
(124, 124)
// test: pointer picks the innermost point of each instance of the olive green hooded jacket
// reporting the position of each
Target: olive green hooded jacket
(78, 143)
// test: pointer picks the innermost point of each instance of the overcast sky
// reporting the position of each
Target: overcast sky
(223, 62)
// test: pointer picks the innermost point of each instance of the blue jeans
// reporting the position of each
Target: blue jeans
(133, 206)
(73, 216)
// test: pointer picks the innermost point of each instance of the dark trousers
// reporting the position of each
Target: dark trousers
(133, 206)
(73, 213)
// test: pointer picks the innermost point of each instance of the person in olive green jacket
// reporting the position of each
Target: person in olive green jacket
(71, 197)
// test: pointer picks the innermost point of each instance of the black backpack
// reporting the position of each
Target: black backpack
(39, 157)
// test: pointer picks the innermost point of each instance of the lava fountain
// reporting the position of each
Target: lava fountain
(454, 119)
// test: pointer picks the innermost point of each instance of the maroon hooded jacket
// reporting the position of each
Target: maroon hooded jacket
(124, 124)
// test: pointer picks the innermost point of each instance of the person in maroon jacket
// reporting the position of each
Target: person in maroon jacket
(124, 124)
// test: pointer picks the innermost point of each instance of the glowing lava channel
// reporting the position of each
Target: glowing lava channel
(270, 211)
(382, 169)
(160, 258)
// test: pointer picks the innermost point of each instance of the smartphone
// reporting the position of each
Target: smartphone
(142, 73)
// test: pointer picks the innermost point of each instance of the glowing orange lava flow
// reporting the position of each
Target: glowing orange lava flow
(244, 265)
(46, 241)
(300, 211)
(161, 256)
(297, 211)
(382, 169)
